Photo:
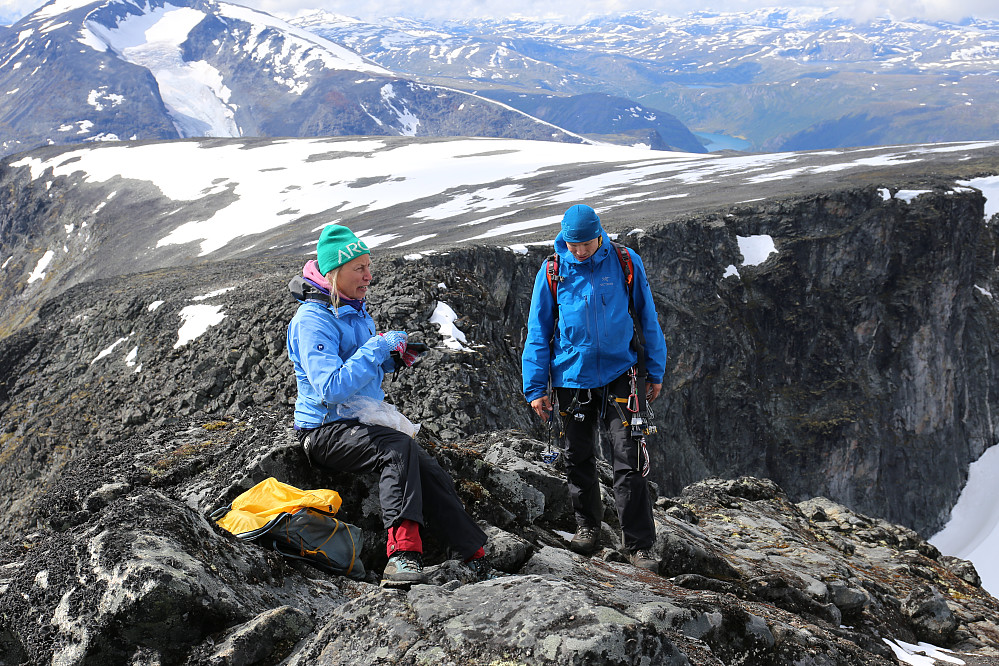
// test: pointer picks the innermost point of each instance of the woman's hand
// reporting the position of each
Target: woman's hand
(396, 340)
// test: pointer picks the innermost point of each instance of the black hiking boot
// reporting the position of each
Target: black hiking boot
(405, 568)
(644, 559)
(482, 570)
(585, 541)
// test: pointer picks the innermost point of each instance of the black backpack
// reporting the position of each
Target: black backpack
(308, 533)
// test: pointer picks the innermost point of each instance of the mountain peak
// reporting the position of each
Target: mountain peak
(77, 71)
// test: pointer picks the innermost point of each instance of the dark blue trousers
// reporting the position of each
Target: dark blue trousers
(631, 492)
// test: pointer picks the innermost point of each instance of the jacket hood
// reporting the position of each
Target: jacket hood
(304, 289)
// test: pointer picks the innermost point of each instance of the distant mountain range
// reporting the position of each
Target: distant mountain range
(780, 79)
(769, 80)
(76, 71)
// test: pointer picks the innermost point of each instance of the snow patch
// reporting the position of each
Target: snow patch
(414, 240)
(101, 98)
(196, 320)
(130, 359)
(755, 249)
(921, 654)
(972, 533)
(40, 267)
(212, 294)
(58, 7)
(908, 195)
(88, 38)
(519, 226)
(107, 350)
(989, 186)
(445, 317)
(408, 122)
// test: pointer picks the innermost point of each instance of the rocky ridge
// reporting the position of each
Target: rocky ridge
(855, 356)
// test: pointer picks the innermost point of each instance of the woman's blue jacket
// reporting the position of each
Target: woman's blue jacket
(336, 355)
(593, 343)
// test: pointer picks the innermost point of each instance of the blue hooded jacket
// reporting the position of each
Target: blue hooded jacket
(336, 355)
(593, 344)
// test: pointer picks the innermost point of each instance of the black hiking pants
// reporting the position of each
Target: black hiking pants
(412, 483)
(631, 492)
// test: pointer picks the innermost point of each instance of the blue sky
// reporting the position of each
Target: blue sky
(572, 10)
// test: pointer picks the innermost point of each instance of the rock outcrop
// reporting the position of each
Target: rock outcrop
(129, 570)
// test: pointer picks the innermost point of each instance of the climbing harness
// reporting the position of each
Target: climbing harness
(629, 410)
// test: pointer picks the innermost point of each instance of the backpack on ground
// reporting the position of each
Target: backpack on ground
(299, 524)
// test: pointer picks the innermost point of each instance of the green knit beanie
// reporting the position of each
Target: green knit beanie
(337, 245)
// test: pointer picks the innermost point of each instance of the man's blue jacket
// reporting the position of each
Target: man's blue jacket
(593, 344)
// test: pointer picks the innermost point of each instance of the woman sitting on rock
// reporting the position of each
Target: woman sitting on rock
(339, 365)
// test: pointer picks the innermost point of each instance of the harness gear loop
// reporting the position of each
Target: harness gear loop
(550, 456)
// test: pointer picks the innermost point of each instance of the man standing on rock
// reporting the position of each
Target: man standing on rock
(580, 354)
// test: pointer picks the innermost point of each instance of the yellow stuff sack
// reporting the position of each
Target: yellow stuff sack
(299, 524)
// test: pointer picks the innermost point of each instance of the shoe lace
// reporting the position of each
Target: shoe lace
(586, 532)
(408, 561)
(644, 554)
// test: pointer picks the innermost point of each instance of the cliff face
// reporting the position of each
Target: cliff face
(856, 362)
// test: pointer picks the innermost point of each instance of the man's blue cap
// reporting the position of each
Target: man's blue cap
(580, 224)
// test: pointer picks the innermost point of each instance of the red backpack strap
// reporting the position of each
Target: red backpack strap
(551, 271)
(624, 256)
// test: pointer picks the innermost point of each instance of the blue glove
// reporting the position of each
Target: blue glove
(396, 340)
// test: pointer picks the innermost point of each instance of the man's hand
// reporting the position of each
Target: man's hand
(542, 407)
(653, 391)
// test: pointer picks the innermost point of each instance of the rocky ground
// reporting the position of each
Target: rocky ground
(129, 570)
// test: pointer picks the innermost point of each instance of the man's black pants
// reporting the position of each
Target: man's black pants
(631, 492)
(412, 485)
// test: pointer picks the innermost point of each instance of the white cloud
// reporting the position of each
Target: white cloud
(578, 10)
